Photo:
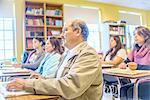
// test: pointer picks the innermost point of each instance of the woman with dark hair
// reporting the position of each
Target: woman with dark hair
(35, 56)
(138, 59)
(116, 54)
(49, 64)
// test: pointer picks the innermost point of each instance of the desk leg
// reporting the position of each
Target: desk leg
(135, 94)
(136, 84)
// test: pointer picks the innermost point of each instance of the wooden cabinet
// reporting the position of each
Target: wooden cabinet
(42, 20)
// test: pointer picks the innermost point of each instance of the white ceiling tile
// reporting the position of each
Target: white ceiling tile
(140, 4)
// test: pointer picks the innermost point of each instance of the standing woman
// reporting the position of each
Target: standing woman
(49, 64)
(36, 56)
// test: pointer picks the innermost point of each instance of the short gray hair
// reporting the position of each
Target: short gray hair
(81, 25)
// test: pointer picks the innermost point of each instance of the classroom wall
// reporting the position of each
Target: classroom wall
(108, 12)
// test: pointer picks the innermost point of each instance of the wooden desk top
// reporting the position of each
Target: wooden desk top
(134, 74)
(33, 97)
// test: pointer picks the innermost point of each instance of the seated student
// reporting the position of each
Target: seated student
(24, 56)
(35, 57)
(79, 76)
(49, 64)
(139, 59)
(116, 54)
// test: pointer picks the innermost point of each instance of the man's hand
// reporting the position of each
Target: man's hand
(35, 75)
(17, 84)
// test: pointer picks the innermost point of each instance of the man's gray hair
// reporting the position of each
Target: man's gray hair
(81, 25)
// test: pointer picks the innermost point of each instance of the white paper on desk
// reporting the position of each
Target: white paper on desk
(16, 70)
(107, 65)
(6, 93)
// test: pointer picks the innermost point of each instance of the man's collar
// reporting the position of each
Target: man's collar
(76, 48)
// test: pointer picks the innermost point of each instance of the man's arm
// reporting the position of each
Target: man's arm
(79, 78)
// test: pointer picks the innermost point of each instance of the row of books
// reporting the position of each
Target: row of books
(34, 11)
(56, 12)
(53, 22)
(30, 33)
(117, 30)
(53, 32)
(36, 22)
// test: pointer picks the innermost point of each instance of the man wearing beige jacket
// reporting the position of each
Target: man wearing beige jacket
(79, 76)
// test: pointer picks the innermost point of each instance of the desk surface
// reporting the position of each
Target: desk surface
(12, 71)
(126, 73)
(33, 97)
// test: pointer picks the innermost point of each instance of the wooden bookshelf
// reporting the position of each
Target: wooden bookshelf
(42, 19)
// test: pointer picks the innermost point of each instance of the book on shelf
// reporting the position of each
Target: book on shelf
(53, 32)
(49, 33)
(58, 22)
(117, 30)
(56, 12)
(30, 33)
(50, 21)
(34, 11)
(121, 30)
(30, 22)
(36, 22)
(54, 22)
(29, 44)
(29, 10)
(122, 39)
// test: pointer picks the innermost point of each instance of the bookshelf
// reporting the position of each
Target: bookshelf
(112, 29)
(42, 19)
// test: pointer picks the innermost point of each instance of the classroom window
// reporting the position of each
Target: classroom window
(91, 16)
(7, 38)
(93, 38)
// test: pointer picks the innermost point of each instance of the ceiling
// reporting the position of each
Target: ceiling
(140, 4)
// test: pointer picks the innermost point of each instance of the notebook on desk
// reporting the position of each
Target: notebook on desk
(127, 71)
(6, 93)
